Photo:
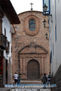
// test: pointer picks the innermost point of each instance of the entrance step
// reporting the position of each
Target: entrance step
(31, 82)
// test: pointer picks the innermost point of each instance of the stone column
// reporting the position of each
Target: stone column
(21, 67)
(42, 64)
(24, 68)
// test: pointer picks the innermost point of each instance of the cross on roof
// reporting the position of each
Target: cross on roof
(31, 6)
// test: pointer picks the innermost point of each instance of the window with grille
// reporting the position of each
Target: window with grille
(32, 24)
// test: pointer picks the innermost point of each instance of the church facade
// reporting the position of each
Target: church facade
(30, 46)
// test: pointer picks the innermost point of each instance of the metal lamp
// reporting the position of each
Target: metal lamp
(45, 8)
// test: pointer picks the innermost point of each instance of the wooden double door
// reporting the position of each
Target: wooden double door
(33, 70)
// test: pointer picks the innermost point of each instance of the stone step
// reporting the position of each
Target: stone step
(27, 86)
(31, 89)
(30, 82)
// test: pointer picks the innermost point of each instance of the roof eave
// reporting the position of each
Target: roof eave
(8, 9)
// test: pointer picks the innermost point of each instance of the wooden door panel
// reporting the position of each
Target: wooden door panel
(33, 70)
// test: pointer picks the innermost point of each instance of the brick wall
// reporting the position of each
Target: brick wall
(26, 42)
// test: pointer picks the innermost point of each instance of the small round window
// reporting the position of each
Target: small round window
(32, 24)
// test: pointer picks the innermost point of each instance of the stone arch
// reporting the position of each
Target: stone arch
(33, 70)
(26, 27)
(32, 45)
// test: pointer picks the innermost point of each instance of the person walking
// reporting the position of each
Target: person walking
(44, 80)
(19, 79)
(16, 78)
(49, 78)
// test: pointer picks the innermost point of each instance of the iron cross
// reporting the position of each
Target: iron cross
(31, 6)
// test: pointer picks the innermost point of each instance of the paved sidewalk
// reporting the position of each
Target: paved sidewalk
(30, 89)
(25, 87)
(4, 89)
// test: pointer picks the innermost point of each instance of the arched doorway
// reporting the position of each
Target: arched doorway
(33, 70)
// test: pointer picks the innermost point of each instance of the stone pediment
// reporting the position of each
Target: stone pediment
(33, 49)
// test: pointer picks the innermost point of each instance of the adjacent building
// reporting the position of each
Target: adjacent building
(30, 47)
(55, 41)
(8, 17)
